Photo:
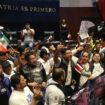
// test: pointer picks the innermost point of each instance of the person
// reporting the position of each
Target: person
(7, 70)
(34, 72)
(5, 88)
(96, 66)
(54, 91)
(44, 60)
(22, 95)
(85, 74)
(28, 35)
(100, 29)
(64, 30)
(67, 62)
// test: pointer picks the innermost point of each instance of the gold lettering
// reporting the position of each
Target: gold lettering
(4, 6)
(31, 9)
(1, 7)
(49, 9)
(26, 8)
(9, 7)
(46, 9)
(42, 10)
(54, 9)
(16, 8)
(22, 8)
(35, 9)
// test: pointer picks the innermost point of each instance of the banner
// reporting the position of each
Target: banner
(100, 87)
(29, 10)
(92, 91)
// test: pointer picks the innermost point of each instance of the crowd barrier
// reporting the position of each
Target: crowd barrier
(92, 91)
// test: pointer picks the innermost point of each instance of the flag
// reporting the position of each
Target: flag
(101, 6)
(50, 38)
(4, 40)
(84, 26)
(2, 49)
(78, 68)
(69, 36)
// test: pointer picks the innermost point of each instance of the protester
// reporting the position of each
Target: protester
(54, 91)
(28, 35)
(5, 88)
(22, 95)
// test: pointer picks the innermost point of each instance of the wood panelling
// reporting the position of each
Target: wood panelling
(73, 16)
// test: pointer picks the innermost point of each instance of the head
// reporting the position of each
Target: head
(85, 57)
(30, 58)
(102, 23)
(3, 56)
(18, 82)
(27, 26)
(58, 75)
(98, 46)
(44, 54)
(96, 57)
(88, 48)
(67, 54)
(52, 48)
(7, 67)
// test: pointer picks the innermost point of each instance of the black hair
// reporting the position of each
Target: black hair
(43, 52)
(85, 52)
(57, 73)
(6, 64)
(27, 55)
(15, 79)
(2, 53)
(21, 49)
(63, 51)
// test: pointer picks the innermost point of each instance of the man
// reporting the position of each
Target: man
(54, 92)
(28, 35)
(33, 70)
(21, 95)
(5, 88)
(66, 61)
(44, 60)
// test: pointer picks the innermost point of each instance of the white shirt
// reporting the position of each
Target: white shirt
(84, 78)
(21, 97)
(46, 65)
(9, 76)
(54, 96)
(97, 70)
(27, 35)
(69, 72)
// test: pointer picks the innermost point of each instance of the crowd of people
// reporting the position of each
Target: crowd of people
(47, 75)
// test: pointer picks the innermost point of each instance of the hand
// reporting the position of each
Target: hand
(51, 69)
(91, 77)
(74, 82)
(37, 93)
(17, 53)
(33, 84)
(39, 41)
(80, 48)
(43, 84)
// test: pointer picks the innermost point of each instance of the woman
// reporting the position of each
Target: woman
(96, 66)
